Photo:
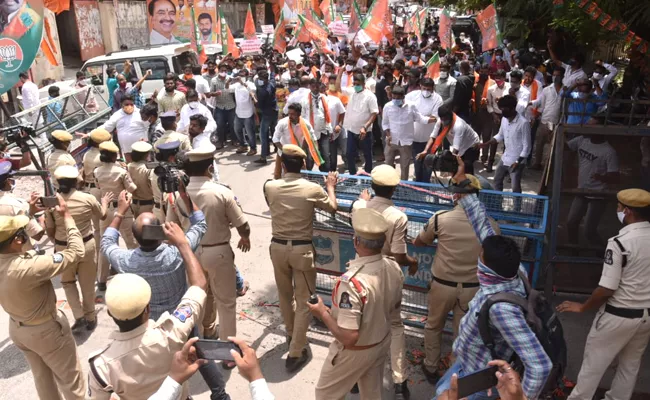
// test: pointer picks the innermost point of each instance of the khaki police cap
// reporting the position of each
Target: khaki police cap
(204, 153)
(291, 150)
(100, 135)
(127, 296)
(66, 172)
(62, 135)
(637, 198)
(384, 175)
(141, 147)
(109, 146)
(369, 224)
(473, 182)
(10, 225)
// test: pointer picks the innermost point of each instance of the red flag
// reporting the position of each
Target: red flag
(249, 25)
(433, 66)
(279, 42)
(444, 31)
(374, 22)
(355, 17)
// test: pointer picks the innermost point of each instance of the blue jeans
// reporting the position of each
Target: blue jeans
(239, 279)
(354, 144)
(225, 120)
(444, 383)
(245, 126)
(422, 173)
(267, 128)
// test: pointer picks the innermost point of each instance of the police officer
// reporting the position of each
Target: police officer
(384, 181)
(137, 362)
(365, 302)
(221, 210)
(164, 152)
(168, 122)
(141, 175)
(454, 275)
(60, 156)
(83, 208)
(36, 327)
(292, 201)
(621, 328)
(11, 205)
(113, 177)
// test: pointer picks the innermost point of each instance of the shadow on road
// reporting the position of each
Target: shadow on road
(14, 362)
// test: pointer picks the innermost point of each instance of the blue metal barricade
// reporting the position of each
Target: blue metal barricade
(520, 216)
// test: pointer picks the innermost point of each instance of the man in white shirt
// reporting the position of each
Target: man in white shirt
(163, 21)
(193, 107)
(245, 99)
(361, 112)
(202, 85)
(495, 92)
(604, 73)
(289, 131)
(316, 110)
(549, 104)
(129, 124)
(347, 76)
(427, 102)
(573, 70)
(397, 123)
(522, 94)
(464, 140)
(200, 137)
(297, 96)
(339, 136)
(30, 96)
(515, 134)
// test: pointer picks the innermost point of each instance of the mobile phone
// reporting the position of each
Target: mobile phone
(478, 381)
(153, 232)
(216, 349)
(49, 201)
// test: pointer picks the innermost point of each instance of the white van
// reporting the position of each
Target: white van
(160, 59)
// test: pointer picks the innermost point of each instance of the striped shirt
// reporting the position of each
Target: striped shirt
(227, 100)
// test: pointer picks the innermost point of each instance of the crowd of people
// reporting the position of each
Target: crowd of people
(175, 276)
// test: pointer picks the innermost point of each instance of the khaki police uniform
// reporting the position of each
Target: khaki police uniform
(84, 208)
(173, 136)
(292, 201)
(621, 328)
(10, 206)
(367, 299)
(112, 177)
(135, 363)
(454, 275)
(36, 327)
(157, 196)
(221, 210)
(141, 175)
(58, 157)
(385, 175)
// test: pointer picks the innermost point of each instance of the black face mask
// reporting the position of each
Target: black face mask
(483, 77)
(572, 62)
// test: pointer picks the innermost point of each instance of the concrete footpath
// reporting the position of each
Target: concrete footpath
(259, 320)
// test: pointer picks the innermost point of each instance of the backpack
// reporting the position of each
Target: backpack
(542, 320)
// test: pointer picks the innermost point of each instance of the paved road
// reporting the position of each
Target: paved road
(261, 324)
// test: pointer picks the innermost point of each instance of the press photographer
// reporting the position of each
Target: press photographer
(17, 135)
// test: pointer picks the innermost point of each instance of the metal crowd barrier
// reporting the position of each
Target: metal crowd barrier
(521, 217)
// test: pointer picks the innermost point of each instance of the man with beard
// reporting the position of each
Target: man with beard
(163, 22)
(205, 26)
(171, 99)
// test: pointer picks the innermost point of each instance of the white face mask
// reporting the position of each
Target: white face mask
(222, 74)
(444, 74)
(426, 93)
(620, 215)
(531, 49)
(596, 75)
(349, 68)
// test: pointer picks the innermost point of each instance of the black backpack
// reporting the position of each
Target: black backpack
(542, 320)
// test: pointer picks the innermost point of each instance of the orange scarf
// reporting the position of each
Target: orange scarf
(534, 87)
(313, 150)
(349, 82)
(441, 136)
(326, 110)
(484, 95)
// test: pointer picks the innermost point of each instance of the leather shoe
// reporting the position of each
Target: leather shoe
(402, 391)
(91, 325)
(293, 364)
(432, 377)
(261, 161)
(78, 324)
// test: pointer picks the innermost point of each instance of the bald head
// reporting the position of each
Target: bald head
(304, 81)
(145, 219)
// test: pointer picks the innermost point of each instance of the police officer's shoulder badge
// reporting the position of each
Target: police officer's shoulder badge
(57, 258)
(183, 313)
(345, 301)
(609, 259)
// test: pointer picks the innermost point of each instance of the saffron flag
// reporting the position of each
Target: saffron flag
(374, 23)
(444, 31)
(310, 31)
(316, 9)
(249, 25)
(421, 21)
(227, 40)
(433, 66)
(279, 41)
(355, 17)
(488, 23)
(327, 8)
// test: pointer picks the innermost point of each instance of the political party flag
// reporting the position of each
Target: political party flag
(433, 66)
(444, 31)
(374, 23)
(422, 21)
(315, 19)
(327, 8)
(316, 9)
(196, 39)
(279, 42)
(355, 17)
(309, 31)
(218, 29)
(488, 23)
(249, 25)
(227, 40)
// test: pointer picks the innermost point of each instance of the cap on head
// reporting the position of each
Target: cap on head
(109, 146)
(636, 198)
(10, 225)
(5, 168)
(141, 147)
(206, 152)
(384, 175)
(171, 145)
(100, 135)
(291, 150)
(127, 296)
(62, 135)
(66, 172)
(369, 224)
(474, 183)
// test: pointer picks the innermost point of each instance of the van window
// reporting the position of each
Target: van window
(95, 70)
(183, 59)
(158, 66)
(119, 67)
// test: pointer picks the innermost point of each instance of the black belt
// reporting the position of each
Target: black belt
(90, 185)
(455, 284)
(293, 242)
(630, 313)
(142, 202)
(64, 243)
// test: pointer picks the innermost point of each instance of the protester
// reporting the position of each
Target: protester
(446, 84)
(224, 107)
(268, 105)
(361, 112)
(194, 107)
(245, 100)
(549, 105)
(170, 99)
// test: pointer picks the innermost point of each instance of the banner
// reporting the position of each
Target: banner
(20, 39)
(444, 32)
(171, 21)
(251, 46)
(488, 23)
(268, 29)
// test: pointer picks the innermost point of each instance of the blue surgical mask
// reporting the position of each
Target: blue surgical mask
(398, 102)
(583, 95)
(358, 88)
(499, 58)
(291, 89)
